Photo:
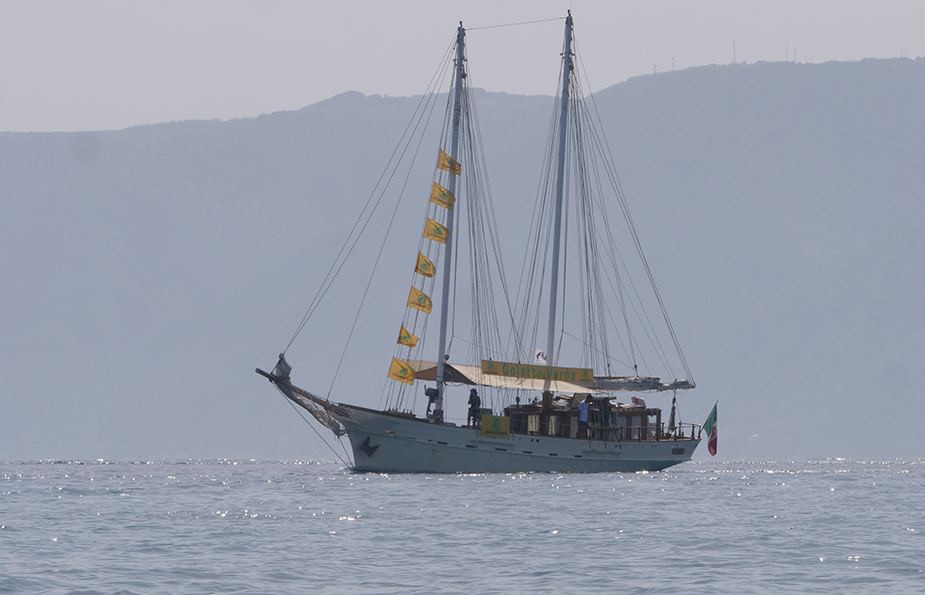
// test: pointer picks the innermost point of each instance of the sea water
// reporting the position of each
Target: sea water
(826, 526)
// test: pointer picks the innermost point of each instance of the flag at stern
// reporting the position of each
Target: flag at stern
(709, 427)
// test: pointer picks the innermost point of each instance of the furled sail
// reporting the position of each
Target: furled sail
(637, 383)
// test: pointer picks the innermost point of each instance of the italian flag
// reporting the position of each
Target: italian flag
(709, 427)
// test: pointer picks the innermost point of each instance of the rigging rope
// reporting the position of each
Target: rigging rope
(621, 198)
(312, 426)
(515, 24)
(385, 238)
(589, 170)
(395, 395)
(390, 168)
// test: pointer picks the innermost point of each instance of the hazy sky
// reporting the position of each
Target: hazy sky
(95, 65)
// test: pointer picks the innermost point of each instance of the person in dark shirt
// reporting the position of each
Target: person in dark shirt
(475, 406)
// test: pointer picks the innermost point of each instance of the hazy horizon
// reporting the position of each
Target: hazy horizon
(109, 65)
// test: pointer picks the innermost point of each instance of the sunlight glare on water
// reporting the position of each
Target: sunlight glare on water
(828, 526)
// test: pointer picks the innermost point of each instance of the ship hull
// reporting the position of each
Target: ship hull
(387, 443)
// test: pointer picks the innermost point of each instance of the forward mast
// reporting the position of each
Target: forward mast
(442, 355)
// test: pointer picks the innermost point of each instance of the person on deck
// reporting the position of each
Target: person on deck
(475, 406)
(583, 417)
(431, 394)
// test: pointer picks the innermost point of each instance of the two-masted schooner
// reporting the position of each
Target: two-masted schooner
(542, 416)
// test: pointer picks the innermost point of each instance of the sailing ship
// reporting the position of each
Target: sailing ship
(542, 416)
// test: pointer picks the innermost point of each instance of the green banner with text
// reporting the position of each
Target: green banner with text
(537, 372)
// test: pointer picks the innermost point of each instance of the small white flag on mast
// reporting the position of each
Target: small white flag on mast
(539, 357)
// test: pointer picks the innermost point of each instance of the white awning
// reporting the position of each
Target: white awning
(466, 374)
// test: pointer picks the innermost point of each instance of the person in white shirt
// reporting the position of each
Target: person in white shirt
(583, 417)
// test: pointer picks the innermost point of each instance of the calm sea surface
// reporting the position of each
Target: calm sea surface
(830, 526)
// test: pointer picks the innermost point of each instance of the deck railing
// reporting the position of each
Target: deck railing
(648, 432)
(541, 423)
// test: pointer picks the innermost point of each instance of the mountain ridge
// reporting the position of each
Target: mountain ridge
(154, 267)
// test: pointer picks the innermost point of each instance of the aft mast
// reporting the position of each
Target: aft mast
(442, 355)
(560, 181)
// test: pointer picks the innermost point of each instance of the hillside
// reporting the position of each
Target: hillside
(149, 270)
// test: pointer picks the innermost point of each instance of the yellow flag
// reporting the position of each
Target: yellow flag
(401, 371)
(441, 196)
(406, 338)
(447, 163)
(420, 300)
(425, 266)
(435, 231)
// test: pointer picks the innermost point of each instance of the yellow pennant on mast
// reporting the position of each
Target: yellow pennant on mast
(435, 231)
(401, 371)
(420, 300)
(406, 338)
(447, 163)
(425, 266)
(441, 196)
